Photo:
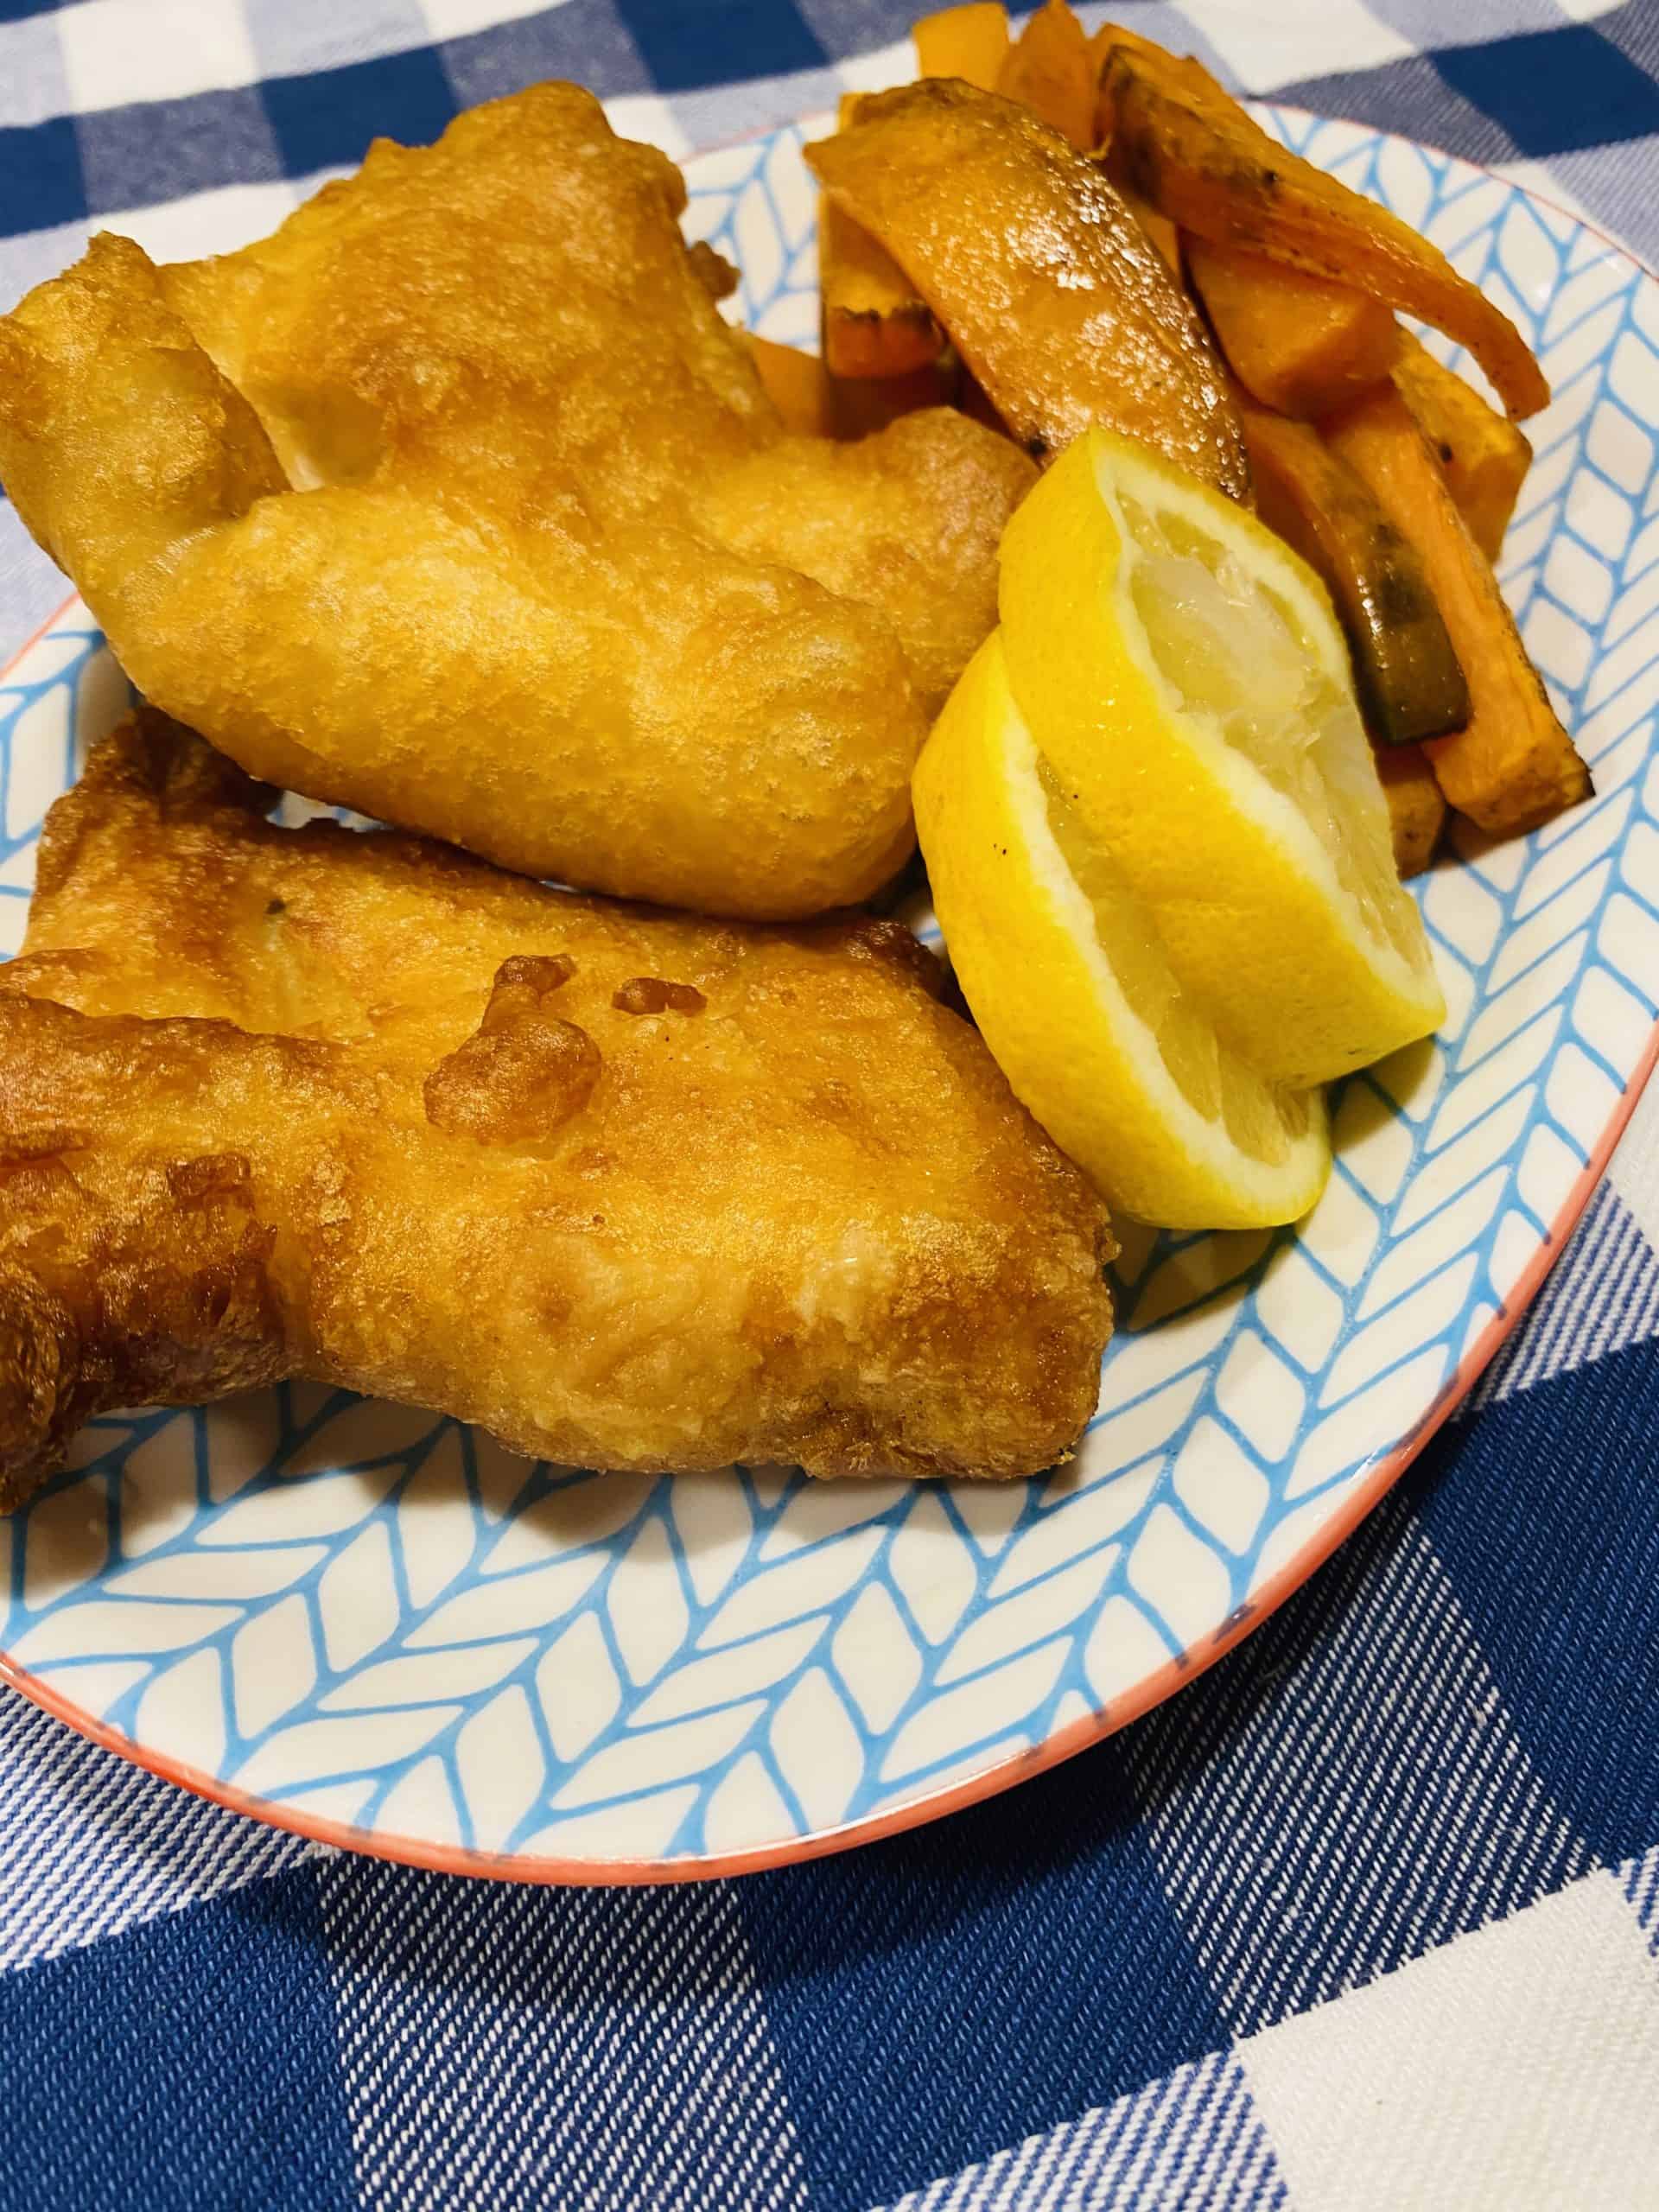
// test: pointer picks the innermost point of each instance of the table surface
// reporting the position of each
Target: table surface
(1369, 1917)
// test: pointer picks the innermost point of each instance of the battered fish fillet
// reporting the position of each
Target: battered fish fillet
(631, 1190)
(551, 581)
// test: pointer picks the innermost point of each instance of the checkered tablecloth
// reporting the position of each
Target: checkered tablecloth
(1368, 1917)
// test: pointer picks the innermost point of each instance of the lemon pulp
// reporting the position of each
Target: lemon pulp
(1064, 967)
(1229, 646)
(1185, 678)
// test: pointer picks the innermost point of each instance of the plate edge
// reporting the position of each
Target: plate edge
(1079, 1735)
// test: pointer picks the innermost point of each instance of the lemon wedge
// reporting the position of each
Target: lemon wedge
(1183, 677)
(1063, 966)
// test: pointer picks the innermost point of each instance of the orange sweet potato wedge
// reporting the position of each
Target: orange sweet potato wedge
(875, 324)
(1159, 228)
(972, 400)
(1416, 805)
(1182, 142)
(1513, 766)
(1049, 70)
(1484, 457)
(798, 384)
(971, 43)
(1048, 287)
(860, 405)
(1101, 46)
(1408, 676)
(812, 402)
(1297, 344)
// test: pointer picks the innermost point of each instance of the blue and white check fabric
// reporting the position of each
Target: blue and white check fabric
(1368, 1917)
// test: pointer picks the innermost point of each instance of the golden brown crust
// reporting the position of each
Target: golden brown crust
(524, 1072)
(560, 588)
(139, 1280)
(806, 1222)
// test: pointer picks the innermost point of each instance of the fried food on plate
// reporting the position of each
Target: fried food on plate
(1409, 679)
(1050, 69)
(873, 323)
(798, 384)
(1047, 286)
(1512, 766)
(514, 597)
(970, 42)
(1296, 344)
(1484, 457)
(1178, 140)
(631, 1190)
(1416, 805)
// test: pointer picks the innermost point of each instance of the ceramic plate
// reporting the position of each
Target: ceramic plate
(376, 1627)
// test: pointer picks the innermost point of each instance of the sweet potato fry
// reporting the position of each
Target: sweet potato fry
(874, 322)
(859, 406)
(975, 402)
(1159, 228)
(1181, 142)
(1051, 293)
(798, 384)
(1297, 344)
(1048, 69)
(1484, 457)
(1513, 766)
(1416, 805)
(1409, 683)
(971, 43)
(1100, 53)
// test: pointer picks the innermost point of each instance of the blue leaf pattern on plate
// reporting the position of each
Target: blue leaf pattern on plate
(365, 1614)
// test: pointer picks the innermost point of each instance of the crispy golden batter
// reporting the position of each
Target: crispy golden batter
(631, 1190)
(559, 587)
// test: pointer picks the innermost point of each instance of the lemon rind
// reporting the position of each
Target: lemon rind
(1151, 1152)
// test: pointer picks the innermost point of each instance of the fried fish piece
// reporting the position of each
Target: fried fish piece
(631, 1190)
(455, 501)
